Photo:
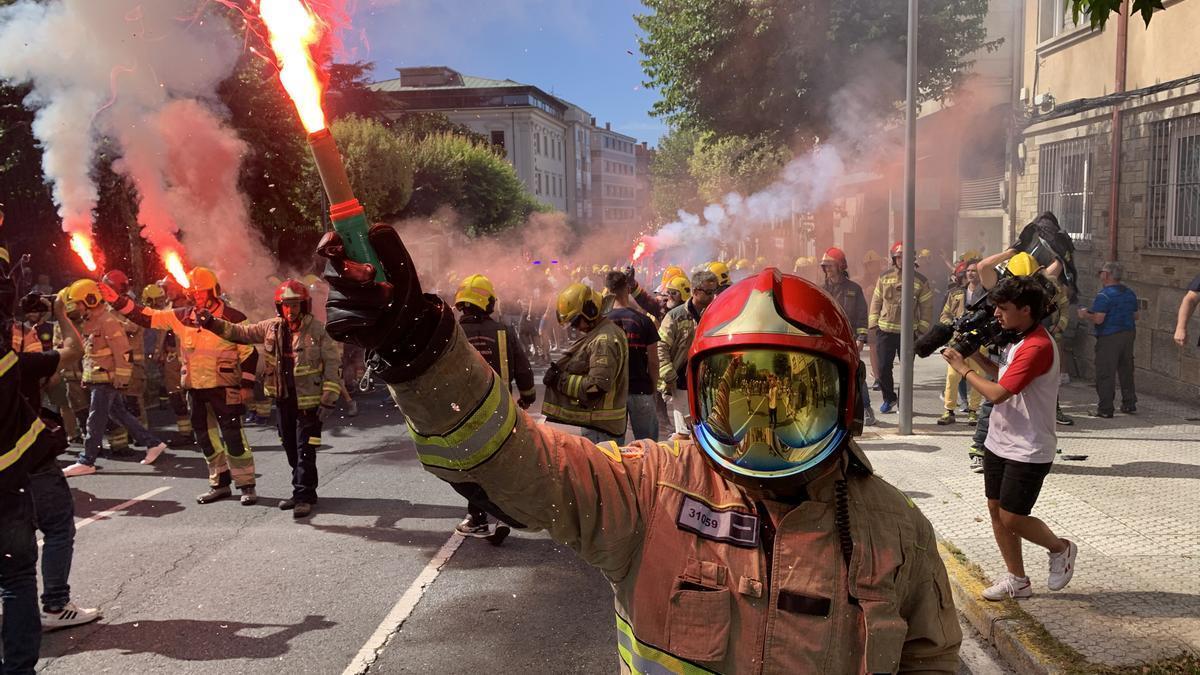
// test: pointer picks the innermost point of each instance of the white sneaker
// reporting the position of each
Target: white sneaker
(153, 453)
(1008, 586)
(78, 469)
(1062, 567)
(71, 615)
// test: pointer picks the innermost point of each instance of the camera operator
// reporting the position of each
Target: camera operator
(1022, 439)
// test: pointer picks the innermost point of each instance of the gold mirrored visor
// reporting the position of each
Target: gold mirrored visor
(769, 413)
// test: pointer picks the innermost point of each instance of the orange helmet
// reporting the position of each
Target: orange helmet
(773, 342)
(291, 291)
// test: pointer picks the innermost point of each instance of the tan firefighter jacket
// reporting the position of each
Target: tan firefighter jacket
(702, 582)
(885, 302)
(594, 382)
(68, 370)
(208, 360)
(166, 355)
(675, 333)
(318, 364)
(137, 355)
(106, 351)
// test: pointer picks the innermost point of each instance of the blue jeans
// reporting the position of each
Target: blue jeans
(54, 509)
(981, 429)
(108, 403)
(599, 437)
(643, 416)
(22, 632)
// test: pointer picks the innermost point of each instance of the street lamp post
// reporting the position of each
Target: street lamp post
(907, 299)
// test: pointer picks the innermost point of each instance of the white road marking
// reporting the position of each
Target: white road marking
(369, 653)
(121, 507)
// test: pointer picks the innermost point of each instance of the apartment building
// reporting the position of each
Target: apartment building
(1110, 142)
(614, 178)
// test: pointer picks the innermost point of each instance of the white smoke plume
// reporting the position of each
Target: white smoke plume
(144, 76)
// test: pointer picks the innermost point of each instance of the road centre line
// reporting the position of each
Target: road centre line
(121, 507)
(370, 651)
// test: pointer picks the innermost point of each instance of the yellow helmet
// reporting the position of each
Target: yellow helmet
(203, 279)
(670, 273)
(924, 253)
(760, 261)
(871, 256)
(476, 290)
(578, 300)
(605, 268)
(64, 296)
(85, 292)
(742, 263)
(681, 285)
(721, 270)
(4, 255)
(1022, 265)
(152, 292)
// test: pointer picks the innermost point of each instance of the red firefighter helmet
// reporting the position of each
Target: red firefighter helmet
(834, 255)
(773, 380)
(897, 250)
(118, 280)
(290, 291)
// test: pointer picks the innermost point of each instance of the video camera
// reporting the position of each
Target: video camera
(978, 327)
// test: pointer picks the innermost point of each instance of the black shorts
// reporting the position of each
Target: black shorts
(1016, 484)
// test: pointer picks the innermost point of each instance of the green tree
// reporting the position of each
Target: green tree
(673, 187)
(749, 67)
(349, 92)
(452, 171)
(735, 164)
(378, 163)
(1097, 12)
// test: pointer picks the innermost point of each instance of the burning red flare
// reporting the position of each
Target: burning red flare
(293, 28)
(82, 245)
(639, 250)
(174, 265)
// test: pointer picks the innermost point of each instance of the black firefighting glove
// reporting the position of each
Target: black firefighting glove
(404, 330)
(551, 377)
(526, 401)
(204, 318)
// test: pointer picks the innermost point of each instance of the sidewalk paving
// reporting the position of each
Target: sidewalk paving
(1132, 507)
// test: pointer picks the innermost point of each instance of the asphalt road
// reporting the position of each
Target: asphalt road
(225, 588)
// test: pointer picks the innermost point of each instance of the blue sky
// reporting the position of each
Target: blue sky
(574, 49)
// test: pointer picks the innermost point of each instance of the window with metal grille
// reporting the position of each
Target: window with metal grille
(1065, 184)
(1174, 184)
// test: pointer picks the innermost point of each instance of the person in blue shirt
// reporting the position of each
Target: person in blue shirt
(1114, 313)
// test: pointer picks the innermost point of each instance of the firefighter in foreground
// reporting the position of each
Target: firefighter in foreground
(218, 377)
(504, 352)
(757, 549)
(303, 373)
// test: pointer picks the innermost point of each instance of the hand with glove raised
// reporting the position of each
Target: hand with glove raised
(404, 330)
(552, 375)
(1025, 240)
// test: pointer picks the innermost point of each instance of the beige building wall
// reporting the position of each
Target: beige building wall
(1081, 64)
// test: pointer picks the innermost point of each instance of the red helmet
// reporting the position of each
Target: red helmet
(293, 290)
(834, 255)
(118, 280)
(897, 249)
(773, 380)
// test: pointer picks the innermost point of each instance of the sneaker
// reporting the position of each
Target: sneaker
(887, 407)
(876, 386)
(868, 417)
(78, 469)
(249, 496)
(947, 418)
(1008, 586)
(499, 535)
(469, 528)
(976, 464)
(1062, 567)
(214, 494)
(972, 418)
(287, 505)
(68, 616)
(1129, 409)
(153, 453)
(1061, 418)
(302, 510)
(1100, 413)
(352, 409)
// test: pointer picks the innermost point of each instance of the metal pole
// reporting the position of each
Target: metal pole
(908, 263)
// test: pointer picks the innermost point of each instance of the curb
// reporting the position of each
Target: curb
(1003, 624)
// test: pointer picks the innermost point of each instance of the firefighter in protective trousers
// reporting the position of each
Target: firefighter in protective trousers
(218, 377)
(757, 548)
(303, 373)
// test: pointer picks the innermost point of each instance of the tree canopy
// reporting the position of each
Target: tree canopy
(1097, 12)
(378, 163)
(749, 67)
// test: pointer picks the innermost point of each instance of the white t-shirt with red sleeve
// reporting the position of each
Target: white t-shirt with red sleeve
(1023, 427)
